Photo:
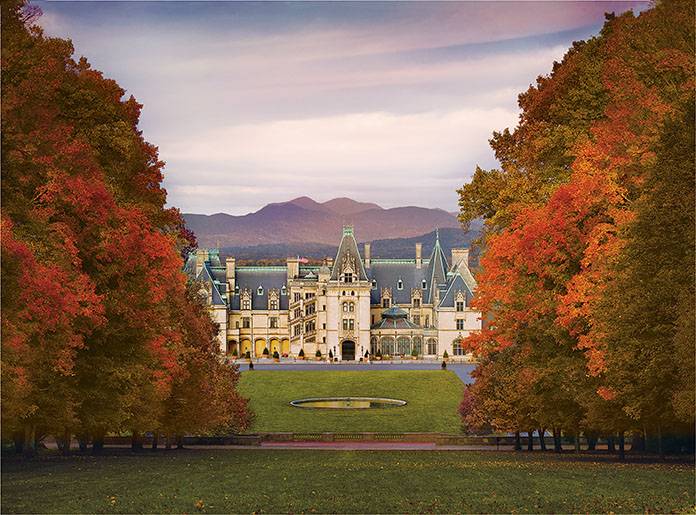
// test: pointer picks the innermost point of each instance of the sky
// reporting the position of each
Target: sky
(386, 102)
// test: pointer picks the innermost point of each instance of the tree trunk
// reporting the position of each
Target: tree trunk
(557, 439)
(622, 453)
(29, 439)
(82, 440)
(179, 441)
(518, 442)
(542, 442)
(98, 444)
(168, 444)
(660, 449)
(591, 442)
(66, 440)
(155, 440)
(637, 441)
(136, 441)
(577, 442)
(18, 438)
(530, 438)
(610, 445)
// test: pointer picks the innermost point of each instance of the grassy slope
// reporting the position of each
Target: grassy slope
(341, 482)
(432, 395)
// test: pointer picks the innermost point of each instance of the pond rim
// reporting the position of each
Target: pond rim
(390, 403)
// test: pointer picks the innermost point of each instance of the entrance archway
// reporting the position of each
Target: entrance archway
(348, 350)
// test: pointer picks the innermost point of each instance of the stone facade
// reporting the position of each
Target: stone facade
(348, 307)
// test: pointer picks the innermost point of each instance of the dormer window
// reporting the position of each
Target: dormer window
(283, 290)
(374, 284)
(424, 284)
(246, 304)
(348, 277)
(259, 291)
(399, 285)
(236, 289)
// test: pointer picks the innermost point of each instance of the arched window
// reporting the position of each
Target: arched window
(432, 346)
(374, 284)
(283, 290)
(457, 347)
(424, 284)
(351, 307)
(345, 307)
(387, 343)
(259, 291)
(399, 285)
(236, 289)
(403, 345)
(374, 345)
(417, 344)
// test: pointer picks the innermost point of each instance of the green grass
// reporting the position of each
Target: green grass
(432, 395)
(282, 481)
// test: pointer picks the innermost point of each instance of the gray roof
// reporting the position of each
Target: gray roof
(348, 247)
(457, 283)
(394, 318)
(388, 273)
(268, 277)
(437, 269)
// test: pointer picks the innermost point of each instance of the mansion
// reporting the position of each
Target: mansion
(349, 307)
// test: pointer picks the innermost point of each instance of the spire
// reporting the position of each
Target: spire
(348, 260)
(437, 267)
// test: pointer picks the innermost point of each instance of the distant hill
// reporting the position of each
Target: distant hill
(385, 248)
(304, 221)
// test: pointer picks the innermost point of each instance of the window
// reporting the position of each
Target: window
(460, 324)
(386, 303)
(308, 295)
(283, 290)
(311, 309)
(246, 304)
(352, 294)
(259, 291)
(417, 344)
(399, 285)
(460, 305)
(348, 324)
(387, 344)
(310, 326)
(323, 308)
(345, 307)
(351, 307)
(297, 329)
(246, 322)
(236, 289)
(416, 303)
(273, 322)
(348, 277)
(374, 284)
(457, 348)
(297, 313)
(424, 284)
(297, 297)
(432, 346)
(274, 304)
(427, 321)
(403, 345)
(323, 326)
(236, 324)
(416, 319)
(373, 320)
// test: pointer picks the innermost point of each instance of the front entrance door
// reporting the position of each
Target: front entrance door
(348, 351)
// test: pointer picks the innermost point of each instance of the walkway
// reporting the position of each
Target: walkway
(462, 370)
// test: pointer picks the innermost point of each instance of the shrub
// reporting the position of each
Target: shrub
(276, 355)
(265, 351)
(330, 355)
(247, 355)
(318, 353)
(414, 353)
(379, 353)
(445, 355)
(301, 354)
(234, 352)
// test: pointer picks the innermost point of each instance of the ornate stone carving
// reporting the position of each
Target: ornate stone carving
(348, 264)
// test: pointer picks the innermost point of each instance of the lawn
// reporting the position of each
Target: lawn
(282, 481)
(432, 395)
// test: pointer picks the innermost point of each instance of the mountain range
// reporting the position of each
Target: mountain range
(305, 221)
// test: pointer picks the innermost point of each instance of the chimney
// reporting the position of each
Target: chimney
(230, 275)
(367, 255)
(419, 255)
(201, 258)
(460, 259)
(293, 267)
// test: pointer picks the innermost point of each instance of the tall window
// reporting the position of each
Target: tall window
(460, 305)
(348, 277)
(274, 304)
(298, 312)
(416, 319)
(297, 296)
(416, 303)
(457, 348)
(386, 303)
(460, 324)
(246, 323)
(297, 329)
(432, 346)
(399, 285)
(273, 322)
(427, 321)
(348, 324)
(246, 304)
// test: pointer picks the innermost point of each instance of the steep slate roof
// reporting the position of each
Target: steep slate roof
(347, 247)
(437, 269)
(268, 277)
(206, 276)
(457, 283)
(387, 273)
